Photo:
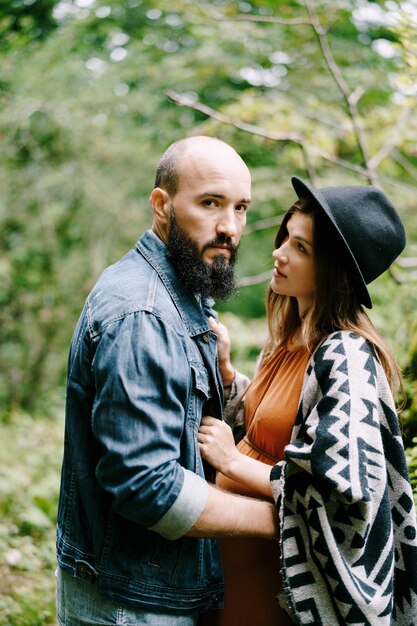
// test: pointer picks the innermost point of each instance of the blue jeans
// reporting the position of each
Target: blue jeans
(80, 604)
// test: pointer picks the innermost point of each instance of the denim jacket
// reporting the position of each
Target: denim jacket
(142, 370)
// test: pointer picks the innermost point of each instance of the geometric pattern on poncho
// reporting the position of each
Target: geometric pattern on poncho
(348, 524)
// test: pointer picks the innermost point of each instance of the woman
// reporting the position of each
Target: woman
(321, 411)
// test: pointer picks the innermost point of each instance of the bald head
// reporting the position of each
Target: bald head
(170, 166)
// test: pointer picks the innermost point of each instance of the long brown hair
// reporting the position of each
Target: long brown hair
(336, 305)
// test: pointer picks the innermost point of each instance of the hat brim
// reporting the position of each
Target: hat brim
(303, 191)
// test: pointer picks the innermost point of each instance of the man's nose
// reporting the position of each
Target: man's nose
(227, 224)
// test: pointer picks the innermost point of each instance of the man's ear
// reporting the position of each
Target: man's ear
(160, 201)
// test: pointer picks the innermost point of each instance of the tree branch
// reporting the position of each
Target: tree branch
(407, 262)
(249, 128)
(262, 225)
(392, 143)
(268, 19)
(399, 278)
(351, 98)
(248, 281)
(296, 138)
(257, 130)
(224, 119)
(405, 164)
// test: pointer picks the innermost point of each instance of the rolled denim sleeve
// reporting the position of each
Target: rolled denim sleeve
(143, 377)
(186, 509)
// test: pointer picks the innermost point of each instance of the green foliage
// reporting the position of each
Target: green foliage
(23, 22)
(84, 117)
(29, 480)
(410, 410)
(411, 454)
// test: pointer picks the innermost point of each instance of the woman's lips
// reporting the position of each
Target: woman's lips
(278, 274)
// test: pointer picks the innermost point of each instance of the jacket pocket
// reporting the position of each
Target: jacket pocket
(200, 378)
(198, 397)
(200, 393)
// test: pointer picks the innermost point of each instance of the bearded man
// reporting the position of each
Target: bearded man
(137, 519)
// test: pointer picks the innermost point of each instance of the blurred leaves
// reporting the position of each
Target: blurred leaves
(84, 118)
(29, 482)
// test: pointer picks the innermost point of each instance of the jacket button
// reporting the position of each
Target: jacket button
(206, 337)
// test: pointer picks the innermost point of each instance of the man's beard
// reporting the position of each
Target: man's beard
(215, 280)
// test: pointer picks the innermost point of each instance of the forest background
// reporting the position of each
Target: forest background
(91, 93)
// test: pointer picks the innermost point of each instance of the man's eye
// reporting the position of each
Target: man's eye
(242, 208)
(209, 202)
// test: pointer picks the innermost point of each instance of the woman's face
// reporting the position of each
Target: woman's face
(294, 269)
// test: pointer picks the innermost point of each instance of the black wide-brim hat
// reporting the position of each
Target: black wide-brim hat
(368, 226)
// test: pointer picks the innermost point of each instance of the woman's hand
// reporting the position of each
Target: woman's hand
(223, 346)
(217, 445)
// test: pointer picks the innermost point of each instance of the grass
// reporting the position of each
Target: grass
(29, 483)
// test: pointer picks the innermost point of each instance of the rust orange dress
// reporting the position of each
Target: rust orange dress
(251, 566)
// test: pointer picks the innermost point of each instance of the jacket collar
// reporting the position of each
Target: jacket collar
(194, 311)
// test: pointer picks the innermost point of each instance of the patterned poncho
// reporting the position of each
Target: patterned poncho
(348, 539)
